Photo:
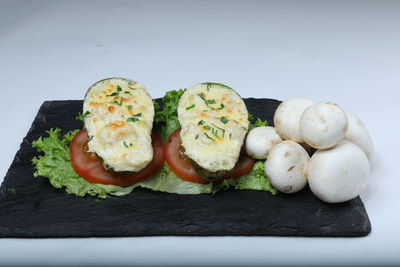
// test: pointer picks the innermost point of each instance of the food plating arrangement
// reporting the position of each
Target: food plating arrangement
(202, 141)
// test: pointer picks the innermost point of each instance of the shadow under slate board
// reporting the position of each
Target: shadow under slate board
(30, 207)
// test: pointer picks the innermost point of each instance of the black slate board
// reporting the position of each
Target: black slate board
(30, 207)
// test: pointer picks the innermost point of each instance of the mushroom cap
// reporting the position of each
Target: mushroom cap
(286, 166)
(338, 174)
(323, 125)
(287, 118)
(260, 140)
(358, 134)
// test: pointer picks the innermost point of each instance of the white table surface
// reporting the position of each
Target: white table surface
(347, 52)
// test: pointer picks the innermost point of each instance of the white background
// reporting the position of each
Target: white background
(343, 51)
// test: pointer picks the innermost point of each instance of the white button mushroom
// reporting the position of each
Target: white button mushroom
(260, 140)
(286, 166)
(287, 118)
(338, 174)
(358, 134)
(323, 125)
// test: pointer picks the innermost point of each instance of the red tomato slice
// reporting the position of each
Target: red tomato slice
(89, 166)
(185, 171)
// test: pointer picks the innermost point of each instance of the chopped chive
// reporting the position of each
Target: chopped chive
(209, 137)
(210, 101)
(125, 144)
(138, 115)
(201, 122)
(132, 119)
(131, 88)
(215, 132)
(222, 129)
(113, 94)
(190, 107)
(118, 103)
(221, 107)
(244, 128)
(197, 136)
(207, 127)
(224, 120)
(127, 92)
(230, 135)
(129, 107)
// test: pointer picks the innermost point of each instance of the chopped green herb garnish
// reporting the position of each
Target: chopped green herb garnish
(129, 107)
(131, 88)
(138, 115)
(230, 135)
(113, 94)
(190, 107)
(132, 119)
(197, 136)
(215, 132)
(208, 87)
(209, 137)
(207, 127)
(118, 103)
(244, 128)
(127, 92)
(201, 122)
(221, 107)
(210, 101)
(224, 120)
(125, 144)
(219, 128)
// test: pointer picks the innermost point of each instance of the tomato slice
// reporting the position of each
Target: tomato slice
(185, 170)
(89, 166)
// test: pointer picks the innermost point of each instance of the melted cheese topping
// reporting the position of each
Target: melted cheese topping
(214, 121)
(119, 117)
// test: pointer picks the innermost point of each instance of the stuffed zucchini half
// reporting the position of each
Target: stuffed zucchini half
(214, 123)
(116, 147)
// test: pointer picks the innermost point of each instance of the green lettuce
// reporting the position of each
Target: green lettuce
(55, 164)
(166, 121)
(255, 180)
(254, 123)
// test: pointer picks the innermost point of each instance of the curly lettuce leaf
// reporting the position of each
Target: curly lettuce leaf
(167, 119)
(254, 123)
(55, 164)
(255, 180)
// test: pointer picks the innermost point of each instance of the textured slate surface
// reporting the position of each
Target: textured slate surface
(35, 209)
